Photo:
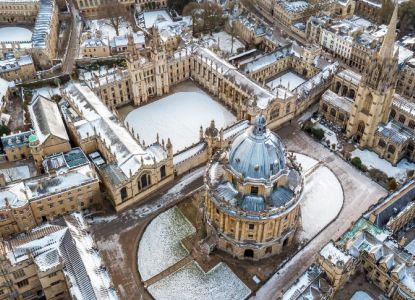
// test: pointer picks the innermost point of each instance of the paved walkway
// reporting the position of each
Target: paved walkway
(360, 193)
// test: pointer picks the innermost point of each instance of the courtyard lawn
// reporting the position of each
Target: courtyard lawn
(178, 117)
(224, 42)
(191, 283)
(371, 160)
(289, 80)
(160, 246)
(105, 27)
(360, 295)
(322, 197)
(15, 34)
(411, 247)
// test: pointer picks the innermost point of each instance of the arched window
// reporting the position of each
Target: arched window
(402, 119)
(411, 124)
(287, 108)
(123, 193)
(162, 171)
(325, 107)
(341, 117)
(145, 180)
(368, 103)
(391, 149)
(333, 112)
(392, 114)
(275, 113)
(410, 147)
(349, 9)
(382, 143)
(361, 127)
(352, 94)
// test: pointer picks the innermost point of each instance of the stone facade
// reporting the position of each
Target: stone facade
(251, 208)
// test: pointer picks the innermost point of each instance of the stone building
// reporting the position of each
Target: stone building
(69, 184)
(54, 262)
(43, 15)
(50, 135)
(16, 145)
(21, 68)
(93, 8)
(129, 168)
(252, 195)
(377, 117)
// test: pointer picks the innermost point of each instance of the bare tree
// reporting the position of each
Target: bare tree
(115, 14)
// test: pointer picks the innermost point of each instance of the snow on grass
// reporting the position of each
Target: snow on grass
(104, 26)
(411, 247)
(360, 295)
(15, 34)
(178, 117)
(289, 80)
(160, 246)
(224, 42)
(371, 160)
(305, 161)
(191, 283)
(329, 135)
(46, 91)
(155, 16)
(321, 201)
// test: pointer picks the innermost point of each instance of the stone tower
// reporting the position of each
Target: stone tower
(158, 56)
(36, 151)
(376, 90)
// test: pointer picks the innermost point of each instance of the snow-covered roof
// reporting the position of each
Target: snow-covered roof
(97, 120)
(350, 76)
(13, 196)
(332, 98)
(46, 119)
(268, 59)
(395, 131)
(402, 104)
(334, 255)
(72, 246)
(15, 63)
(42, 27)
(94, 41)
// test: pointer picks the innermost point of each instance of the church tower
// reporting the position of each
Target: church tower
(376, 90)
(159, 57)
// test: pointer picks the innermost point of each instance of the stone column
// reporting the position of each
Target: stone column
(237, 236)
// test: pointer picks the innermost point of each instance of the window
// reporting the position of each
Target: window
(402, 119)
(391, 149)
(23, 283)
(18, 274)
(145, 181)
(251, 226)
(123, 193)
(382, 143)
(254, 190)
(163, 171)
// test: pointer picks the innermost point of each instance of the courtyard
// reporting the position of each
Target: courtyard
(289, 80)
(15, 34)
(178, 116)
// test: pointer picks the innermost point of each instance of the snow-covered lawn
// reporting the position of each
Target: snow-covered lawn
(411, 247)
(289, 80)
(105, 27)
(160, 246)
(156, 16)
(178, 117)
(224, 42)
(191, 283)
(16, 173)
(46, 91)
(329, 135)
(15, 34)
(322, 197)
(360, 295)
(371, 160)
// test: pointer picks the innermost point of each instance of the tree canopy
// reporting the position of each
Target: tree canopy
(178, 5)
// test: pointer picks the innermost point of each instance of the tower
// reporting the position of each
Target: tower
(158, 57)
(36, 151)
(376, 90)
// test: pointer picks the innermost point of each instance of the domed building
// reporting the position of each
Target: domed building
(252, 195)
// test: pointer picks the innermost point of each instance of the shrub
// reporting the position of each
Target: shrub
(357, 162)
(317, 133)
(4, 130)
(378, 175)
(391, 184)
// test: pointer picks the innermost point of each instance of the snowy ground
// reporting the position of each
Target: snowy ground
(223, 41)
(15, 34)
(160, 246)
(289, 80)
(360, 295)
(322, 197)
(411, 247)
(46, 91)
(329, 135)
(371, 160)
(191, 283)
(178, 117)
(16, 173)
(106, 29)
(156, 16)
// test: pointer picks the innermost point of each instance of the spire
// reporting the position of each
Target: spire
(388, 44)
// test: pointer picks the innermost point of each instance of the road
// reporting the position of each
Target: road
(359, 194)
(73, 44)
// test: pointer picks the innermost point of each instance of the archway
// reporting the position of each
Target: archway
(249, 253)
(360, 130)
